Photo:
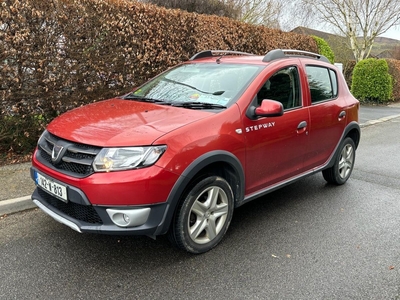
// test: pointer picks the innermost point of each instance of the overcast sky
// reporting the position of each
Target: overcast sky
(289, 23)
(393, 33)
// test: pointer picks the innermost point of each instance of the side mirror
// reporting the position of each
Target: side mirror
(269, 108)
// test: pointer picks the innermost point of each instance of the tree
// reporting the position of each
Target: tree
(360, 21)
(263, 12)
(209, 7)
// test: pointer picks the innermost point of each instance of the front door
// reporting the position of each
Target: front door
(276, 145)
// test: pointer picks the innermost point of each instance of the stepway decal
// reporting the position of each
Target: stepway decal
(260, 126)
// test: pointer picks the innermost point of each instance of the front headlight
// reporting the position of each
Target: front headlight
(118, 159)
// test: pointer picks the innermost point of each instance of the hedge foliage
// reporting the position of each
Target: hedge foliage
(324, 48)
(394, 71)
(371, 81)
(348, 68)
(60, 54)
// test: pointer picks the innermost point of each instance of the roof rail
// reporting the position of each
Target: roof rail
(282, 53)
(212, 53)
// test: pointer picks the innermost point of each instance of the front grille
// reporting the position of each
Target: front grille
(74, 159)
(85, 213)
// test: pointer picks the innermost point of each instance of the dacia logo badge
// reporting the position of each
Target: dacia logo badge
(55, 154)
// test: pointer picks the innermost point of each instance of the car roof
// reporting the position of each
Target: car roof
(237, 57)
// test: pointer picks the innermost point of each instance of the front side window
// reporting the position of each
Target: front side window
(322, 82)
(283, 86)
(219, 84)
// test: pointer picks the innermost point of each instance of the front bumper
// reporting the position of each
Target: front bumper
(83, 217)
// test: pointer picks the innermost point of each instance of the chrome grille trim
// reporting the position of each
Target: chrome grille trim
(77, 158)
(86, 162)
(80, 150)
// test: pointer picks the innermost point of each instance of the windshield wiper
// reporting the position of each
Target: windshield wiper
(198, 105)
(145, 99)
(189, 104)
(217, 93)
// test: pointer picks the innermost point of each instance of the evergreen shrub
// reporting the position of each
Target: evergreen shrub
(372, 82)
(324, 48)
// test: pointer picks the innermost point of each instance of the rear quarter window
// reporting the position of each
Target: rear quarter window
(322, 83)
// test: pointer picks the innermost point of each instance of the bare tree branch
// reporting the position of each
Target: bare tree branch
(361, 21)
(263, 12)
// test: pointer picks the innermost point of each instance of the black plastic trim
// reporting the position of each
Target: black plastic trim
(212, 53)
(282, 53)
(190, 173)
(351, 126)
(156, 216)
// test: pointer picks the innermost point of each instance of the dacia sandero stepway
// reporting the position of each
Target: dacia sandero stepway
(178, 154)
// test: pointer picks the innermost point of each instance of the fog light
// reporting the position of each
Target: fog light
(128, 217)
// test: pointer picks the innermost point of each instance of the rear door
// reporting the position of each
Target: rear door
(327, 114)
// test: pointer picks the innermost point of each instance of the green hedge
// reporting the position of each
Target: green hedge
(371, 81)
(324, 48)
(19, 134)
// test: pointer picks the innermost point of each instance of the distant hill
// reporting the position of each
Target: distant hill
(385, 40)
(318, 33)
(382, 48)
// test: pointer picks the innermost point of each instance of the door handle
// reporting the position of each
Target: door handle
(342, 114)
(302, 124)
(302, 127)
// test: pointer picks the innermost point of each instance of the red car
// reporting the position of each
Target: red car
(179, 153)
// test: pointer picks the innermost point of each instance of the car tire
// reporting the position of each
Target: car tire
(344, 163)
(204, 215)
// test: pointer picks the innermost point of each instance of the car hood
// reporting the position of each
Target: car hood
(119, 122)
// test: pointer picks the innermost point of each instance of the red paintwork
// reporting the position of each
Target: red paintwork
(269, 149)
(269, 107)
(119, 122)
(134, 187)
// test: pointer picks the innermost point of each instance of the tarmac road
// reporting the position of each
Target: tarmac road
(308, 240)
(374, 114)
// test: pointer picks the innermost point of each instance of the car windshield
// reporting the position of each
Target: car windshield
(209, 83)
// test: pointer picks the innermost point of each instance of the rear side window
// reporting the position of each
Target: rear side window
(322, 82)
(334, 83)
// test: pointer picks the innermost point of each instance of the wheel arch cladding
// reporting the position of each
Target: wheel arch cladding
(219, 162)
(354, 133)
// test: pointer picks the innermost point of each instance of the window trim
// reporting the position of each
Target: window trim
(299, 86)
(329, 70)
